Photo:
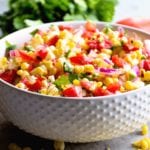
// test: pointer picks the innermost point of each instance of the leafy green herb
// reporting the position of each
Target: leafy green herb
(23, 13)
(34, 32)
(67, 53)
(73, 77)
(67, 68)
(29, 48)
(30, 22)
(107, 29)
(62, 80)
(9, 46)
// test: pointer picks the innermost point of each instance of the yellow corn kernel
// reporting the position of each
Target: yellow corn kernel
(89, 68)
(21, 85)
(84, 45)
(130, 75)
(108, 80)
(122, 89)
(129, 86)
(146, 76)
(3, 63)
(99, 84)
(115, 79)
(144, 129)
(137, 144)
(48, 64)
(79, 69)
(43, 91)
(131, 60)
(18, 60)
(71, 44)
(65, 34)
(45, 83)
(36, 40)
(122, 53)
(59, 145)
(115, 42)
(3, 60)
(137, 43)
(24, 66)
(106, 51)
(25, 74)
(144, 145)
(50, 54)
(133, 55)
(20, 72)
(148, 141)
(27, 148)
(42, 70)
(59, 65)
(31, 53)
(76, 82)
(58, 52)
(13, 146)
(139, 54)
(53, 90)
(100, 62)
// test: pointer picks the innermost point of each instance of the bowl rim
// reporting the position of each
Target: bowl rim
(75, 98)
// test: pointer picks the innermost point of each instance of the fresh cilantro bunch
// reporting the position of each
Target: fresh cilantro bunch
(23, 13)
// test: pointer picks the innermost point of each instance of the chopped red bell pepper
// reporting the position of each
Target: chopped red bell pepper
(36, 86)
(53, 40)
(25, 56)
(89, 26)
(129, 48)
(8, 76)
(72, 92)
(118, 61)
(113, 87)
(61, 28)
(41, 54)
(146, 64)
(100, 92)
(80, 59)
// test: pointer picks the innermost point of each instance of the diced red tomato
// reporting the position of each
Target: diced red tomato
(113, 87)
(129, 48)
(146, 65)
(100, 92)
(96, 44)
(26, 57)
(118, 61)
(61, 28)
(72, 92)
(41, 54)
(86, 84)
(87, 34)
(107, 44)
(8, 76)
(36, 86)
(89, 26)
(53, 40)
(80, 59)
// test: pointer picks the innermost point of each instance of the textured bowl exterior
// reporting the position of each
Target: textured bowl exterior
(75, 120)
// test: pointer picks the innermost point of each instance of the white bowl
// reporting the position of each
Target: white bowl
(73, 119)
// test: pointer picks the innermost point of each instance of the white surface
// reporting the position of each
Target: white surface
(132, 8)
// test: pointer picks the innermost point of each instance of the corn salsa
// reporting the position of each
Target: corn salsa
(78, 62)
